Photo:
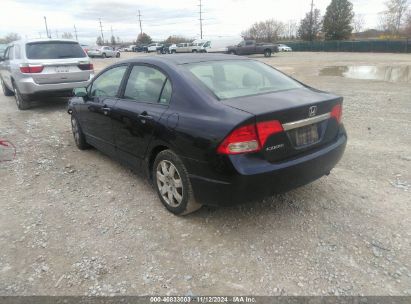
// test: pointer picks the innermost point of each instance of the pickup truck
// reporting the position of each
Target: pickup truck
(248, 47)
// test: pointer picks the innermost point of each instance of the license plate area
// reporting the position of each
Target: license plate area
(62, 69)
(305, 136)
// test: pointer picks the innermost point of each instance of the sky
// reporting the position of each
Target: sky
(160, 18)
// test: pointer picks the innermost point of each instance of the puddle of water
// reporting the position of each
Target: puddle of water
(370, 72)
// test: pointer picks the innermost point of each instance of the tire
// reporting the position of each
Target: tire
(22, 101)
(173, 51)
(267, 53)
(118, 55)
(194, 51)
(103, 55)
(170, 178)
(6, 90)
(78, 134)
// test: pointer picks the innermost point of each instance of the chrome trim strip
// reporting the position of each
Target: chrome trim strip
(304, 122)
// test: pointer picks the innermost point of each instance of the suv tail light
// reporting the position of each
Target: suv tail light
(249, 138)
(86, 66)
(336, 112)
(31, 69)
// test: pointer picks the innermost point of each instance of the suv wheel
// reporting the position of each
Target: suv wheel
(6, 90)
(78, 134)
(267, 53)
(22, 101)
(172, 184)
(173, 51)
(118, 55)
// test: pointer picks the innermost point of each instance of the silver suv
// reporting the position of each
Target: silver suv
(103, 51)
(29, 69)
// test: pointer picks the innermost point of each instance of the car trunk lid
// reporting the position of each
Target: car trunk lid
(304, 113)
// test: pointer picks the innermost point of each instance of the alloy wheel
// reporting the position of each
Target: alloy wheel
(169, 183)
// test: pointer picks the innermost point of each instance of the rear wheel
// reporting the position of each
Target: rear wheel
(194, 51)
(104, 55)
(22, 101)
(118, 55)
(6, 90)
(173, 51)
(267, 53)
(78, 134)
(172, 184)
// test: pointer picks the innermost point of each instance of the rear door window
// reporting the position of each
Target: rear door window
(54, 50)
(145, 84)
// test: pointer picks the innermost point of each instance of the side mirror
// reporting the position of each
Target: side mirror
(80, 92)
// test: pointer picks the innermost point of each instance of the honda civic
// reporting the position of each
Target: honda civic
(210, 129)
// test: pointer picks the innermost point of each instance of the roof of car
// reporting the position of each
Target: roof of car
(186, 58)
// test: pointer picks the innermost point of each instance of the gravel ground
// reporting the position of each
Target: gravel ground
(78, 223)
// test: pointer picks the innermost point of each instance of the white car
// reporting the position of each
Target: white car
(153, 47)
(103, 51)
(284, 48)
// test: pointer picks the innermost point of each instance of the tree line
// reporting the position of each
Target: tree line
(338, 23)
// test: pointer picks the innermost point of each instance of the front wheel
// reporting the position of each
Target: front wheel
(172, 184)
(267, 53)
(78, 134)
(104, 55)
(118, 55)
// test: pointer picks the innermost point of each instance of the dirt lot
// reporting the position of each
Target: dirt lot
(76, 222)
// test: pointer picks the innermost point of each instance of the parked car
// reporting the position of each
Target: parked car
(181, 48)
(284, 48)
(249, 47)
(210, 129)
(103, 51)
(165, 49)
(172, 49)
(140, 48)
(130, 48)
(219, 45)
(33, 68)
(154, 47)
(197, 47)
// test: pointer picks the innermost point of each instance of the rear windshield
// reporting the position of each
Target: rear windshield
(238, 78)
(54, 50)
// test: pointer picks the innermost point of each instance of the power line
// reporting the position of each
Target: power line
(201, 20)
(101, 30)
(139, 20)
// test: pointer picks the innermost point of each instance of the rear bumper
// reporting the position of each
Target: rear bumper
(28, 86)
(270, 179)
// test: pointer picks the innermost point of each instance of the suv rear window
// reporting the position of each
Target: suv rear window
(54, 50)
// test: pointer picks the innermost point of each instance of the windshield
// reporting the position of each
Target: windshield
(54, 50)
(238, 78)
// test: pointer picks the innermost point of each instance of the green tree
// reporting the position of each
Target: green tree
(99, 41)
(310, 26)
(144, 39)
(338, 19)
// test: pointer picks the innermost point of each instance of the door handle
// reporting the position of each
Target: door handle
(106, 110)
(144, 116)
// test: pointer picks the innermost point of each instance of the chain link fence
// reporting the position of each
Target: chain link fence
(381, 46)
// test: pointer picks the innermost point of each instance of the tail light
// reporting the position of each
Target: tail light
(249, 138)
(86, 66)
(31, 69)
(336, 112)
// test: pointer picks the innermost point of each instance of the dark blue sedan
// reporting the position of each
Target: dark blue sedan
(210, 129)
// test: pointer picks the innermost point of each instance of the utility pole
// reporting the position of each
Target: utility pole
(47, 30)
(201, 20)
(101, 30)
(139, 20)
(75, 32)
(311, 20)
